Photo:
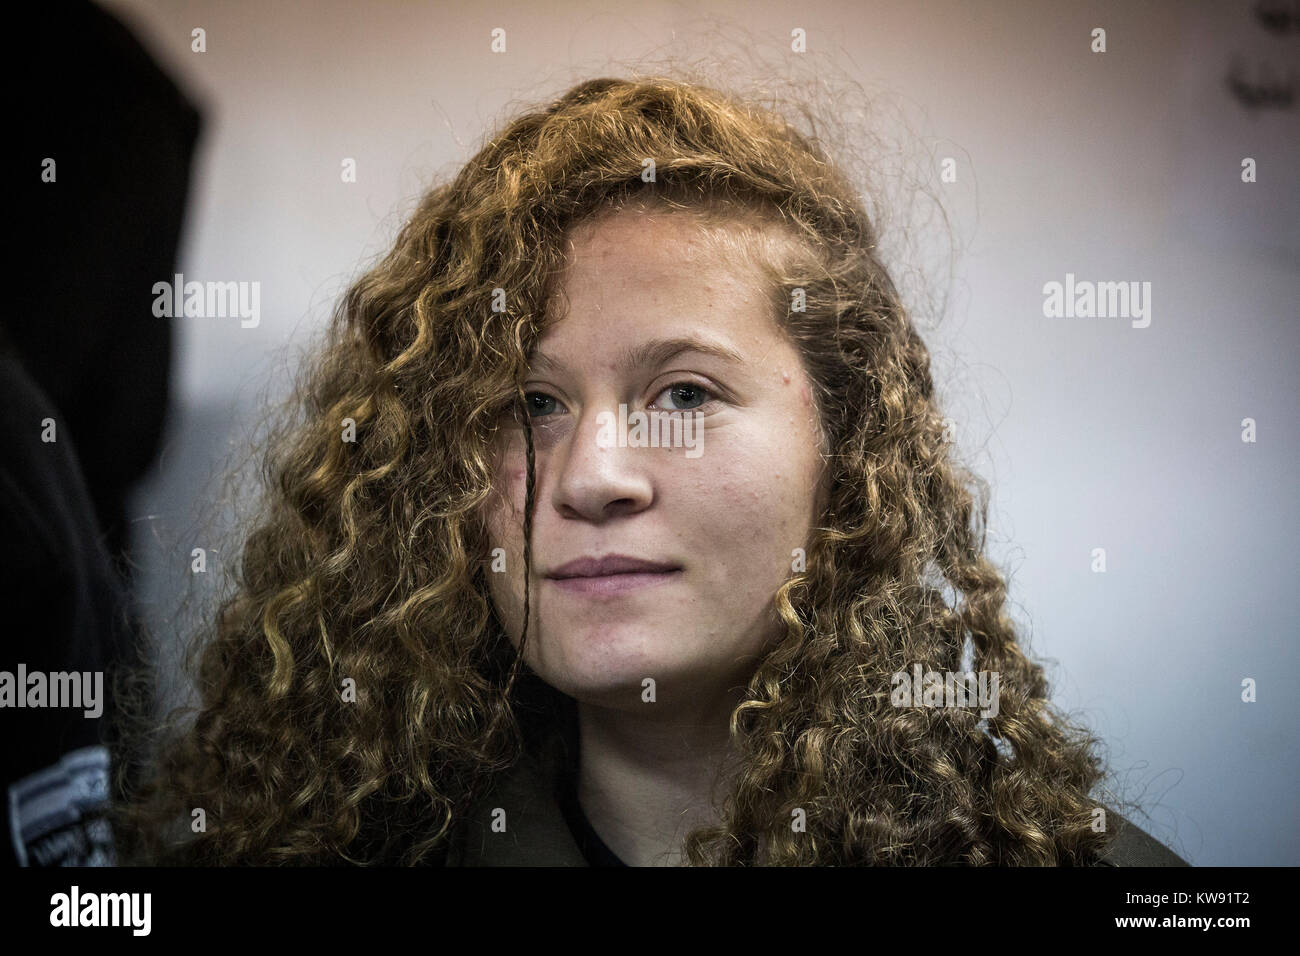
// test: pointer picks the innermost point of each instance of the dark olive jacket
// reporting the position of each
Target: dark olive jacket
(537, 833)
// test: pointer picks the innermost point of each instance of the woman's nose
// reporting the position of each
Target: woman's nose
(601, 477)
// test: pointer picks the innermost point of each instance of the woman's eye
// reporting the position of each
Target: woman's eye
(686, 396)
(681, 397)
(539, 404)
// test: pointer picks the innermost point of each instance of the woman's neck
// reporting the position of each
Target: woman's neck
(645, 781)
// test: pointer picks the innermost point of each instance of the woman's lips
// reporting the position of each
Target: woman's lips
(608, 585)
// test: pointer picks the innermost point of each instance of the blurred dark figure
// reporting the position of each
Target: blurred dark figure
(81, 348)
(122, 137)
(71, 617)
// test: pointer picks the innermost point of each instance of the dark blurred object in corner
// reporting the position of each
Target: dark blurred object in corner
(122, 136)
(105, 146)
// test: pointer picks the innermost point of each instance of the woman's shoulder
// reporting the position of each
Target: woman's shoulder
(1133, 846)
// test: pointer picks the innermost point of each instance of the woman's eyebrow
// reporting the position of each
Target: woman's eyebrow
(655, 352)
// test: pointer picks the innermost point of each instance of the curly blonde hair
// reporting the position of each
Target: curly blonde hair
(367, 561)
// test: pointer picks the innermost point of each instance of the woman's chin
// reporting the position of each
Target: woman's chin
(607, 676)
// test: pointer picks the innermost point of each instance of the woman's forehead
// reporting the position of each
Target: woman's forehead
(648, 273)
(638, 313)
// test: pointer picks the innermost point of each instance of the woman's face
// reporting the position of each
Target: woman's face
(724, 506)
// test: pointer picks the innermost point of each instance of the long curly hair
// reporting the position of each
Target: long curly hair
(365, 568)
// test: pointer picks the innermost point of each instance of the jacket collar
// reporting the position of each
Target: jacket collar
(519, 821)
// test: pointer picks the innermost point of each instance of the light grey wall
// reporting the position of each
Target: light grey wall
(1114, 166)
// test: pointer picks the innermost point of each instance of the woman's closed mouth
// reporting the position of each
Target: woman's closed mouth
(611, 575)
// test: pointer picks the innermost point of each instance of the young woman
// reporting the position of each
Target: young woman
(621, 527)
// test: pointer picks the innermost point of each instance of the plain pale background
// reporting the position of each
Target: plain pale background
(1116, 167)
